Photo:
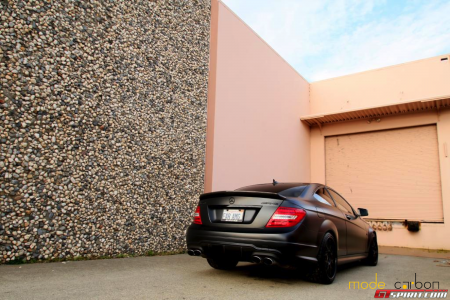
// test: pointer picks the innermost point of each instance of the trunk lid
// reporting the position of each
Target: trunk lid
(251, 210)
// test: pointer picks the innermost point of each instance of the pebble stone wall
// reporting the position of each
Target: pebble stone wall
(103, 125)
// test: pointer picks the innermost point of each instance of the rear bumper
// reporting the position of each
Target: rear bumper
(244, 246)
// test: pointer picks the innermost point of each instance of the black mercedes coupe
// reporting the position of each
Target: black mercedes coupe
(306, 225)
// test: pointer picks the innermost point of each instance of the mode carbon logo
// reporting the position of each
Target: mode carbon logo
(414, 289)
(416, 284)
(426, 294)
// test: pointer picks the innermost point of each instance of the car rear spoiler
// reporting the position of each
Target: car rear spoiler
(241, 193)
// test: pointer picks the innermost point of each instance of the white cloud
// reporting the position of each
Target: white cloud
(324, 39)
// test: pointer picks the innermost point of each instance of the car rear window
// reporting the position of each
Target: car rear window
(293, 192)
(284, 189)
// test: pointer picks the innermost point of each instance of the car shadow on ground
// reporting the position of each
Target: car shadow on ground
(285, 275)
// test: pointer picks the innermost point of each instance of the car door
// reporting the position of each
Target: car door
(357, 233)
(327, 209)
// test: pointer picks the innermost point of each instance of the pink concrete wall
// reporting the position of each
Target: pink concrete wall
(209, 157)
(418, 80)
(431, 236)
(258, 100)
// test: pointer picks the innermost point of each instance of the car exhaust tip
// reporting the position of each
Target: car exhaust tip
(197, 252)
(191, 252)
(268, 261)
(256, 259)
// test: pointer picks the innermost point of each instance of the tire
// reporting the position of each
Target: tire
(326, 268)
(372, 257)
(222, 263)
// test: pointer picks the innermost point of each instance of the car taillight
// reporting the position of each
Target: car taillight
(286, 217)
(197, 217)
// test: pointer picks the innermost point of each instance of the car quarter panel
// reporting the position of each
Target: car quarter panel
(333, 219)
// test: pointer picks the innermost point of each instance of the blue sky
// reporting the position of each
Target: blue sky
(325, 39)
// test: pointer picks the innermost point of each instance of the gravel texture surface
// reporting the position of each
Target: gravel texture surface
(103, 124)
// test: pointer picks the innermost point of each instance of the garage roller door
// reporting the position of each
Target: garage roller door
(393, 173)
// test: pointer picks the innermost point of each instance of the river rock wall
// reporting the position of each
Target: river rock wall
(103, 124)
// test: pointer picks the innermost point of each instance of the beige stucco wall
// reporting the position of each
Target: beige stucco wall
(257, 101)
(432, 236)
(417, 80)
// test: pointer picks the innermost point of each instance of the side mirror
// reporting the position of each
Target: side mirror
(363, 212)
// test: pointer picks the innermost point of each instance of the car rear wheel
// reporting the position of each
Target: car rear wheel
(372, 258)
(222, 263)
(325, 271)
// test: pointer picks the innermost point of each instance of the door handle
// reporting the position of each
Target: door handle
(349, 217)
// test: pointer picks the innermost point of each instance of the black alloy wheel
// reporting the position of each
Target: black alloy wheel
(372, 258)
(327, 260)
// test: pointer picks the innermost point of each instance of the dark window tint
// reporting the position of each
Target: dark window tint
(322, 196)
(341, 203)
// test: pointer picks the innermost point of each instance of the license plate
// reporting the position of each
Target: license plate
(233, 215)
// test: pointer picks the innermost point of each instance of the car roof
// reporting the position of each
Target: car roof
(271, 188)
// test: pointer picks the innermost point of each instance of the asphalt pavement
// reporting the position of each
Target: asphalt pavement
(185, 277)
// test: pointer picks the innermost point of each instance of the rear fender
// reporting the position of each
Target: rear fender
(327, 226)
